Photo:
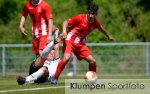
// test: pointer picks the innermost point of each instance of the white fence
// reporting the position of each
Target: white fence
(113, 59)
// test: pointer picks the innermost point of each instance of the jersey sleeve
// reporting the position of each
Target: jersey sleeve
(47, 11)
(73, 21)
(25, 10)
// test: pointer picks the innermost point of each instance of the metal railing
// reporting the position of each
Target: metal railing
(114, 57)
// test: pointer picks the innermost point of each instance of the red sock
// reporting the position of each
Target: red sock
(92, 67)
(60, 68)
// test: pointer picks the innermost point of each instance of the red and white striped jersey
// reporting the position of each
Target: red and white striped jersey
(79, 28)
(39, 15)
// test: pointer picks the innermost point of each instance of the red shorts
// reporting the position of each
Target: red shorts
(80, 50)
(38, 44)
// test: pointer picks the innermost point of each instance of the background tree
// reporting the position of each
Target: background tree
(126, 20)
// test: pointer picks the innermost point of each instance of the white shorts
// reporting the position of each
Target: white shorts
(52, 66)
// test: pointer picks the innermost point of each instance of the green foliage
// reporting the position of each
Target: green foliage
(7, 13)
(125, 20)
(143, 28)
(83, 2)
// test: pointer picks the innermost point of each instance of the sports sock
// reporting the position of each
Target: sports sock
(92, 67)
(33, 68)
(60, 68)
(47, 50)
(35, 75)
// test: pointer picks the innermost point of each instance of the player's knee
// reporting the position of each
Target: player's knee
(39, 65)
(39, 62)
(66, 58)
(44, 68)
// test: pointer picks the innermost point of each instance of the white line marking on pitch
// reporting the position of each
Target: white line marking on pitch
(30, 89)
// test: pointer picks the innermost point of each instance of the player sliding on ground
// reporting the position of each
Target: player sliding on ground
(50, 65)
(39, 61)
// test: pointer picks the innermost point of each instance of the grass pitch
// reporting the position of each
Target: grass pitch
(10, 86)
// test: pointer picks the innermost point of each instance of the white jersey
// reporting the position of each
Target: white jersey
(52, 66)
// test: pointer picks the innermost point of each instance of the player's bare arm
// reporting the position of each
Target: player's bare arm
(21, 26)
(50, 29)
(105, 33)
(56, 46)
(65, 25)
(56, 52)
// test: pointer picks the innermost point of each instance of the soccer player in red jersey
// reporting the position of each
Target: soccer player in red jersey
(42, 25)
(79, 27)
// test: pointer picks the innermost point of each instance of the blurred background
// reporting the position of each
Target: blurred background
(126, 20)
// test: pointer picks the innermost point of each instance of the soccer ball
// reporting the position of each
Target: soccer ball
(90, 76)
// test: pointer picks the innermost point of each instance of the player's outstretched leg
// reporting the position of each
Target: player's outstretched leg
(20, 80)
(50, 46)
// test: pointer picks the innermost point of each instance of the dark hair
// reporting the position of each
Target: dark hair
(93, 7)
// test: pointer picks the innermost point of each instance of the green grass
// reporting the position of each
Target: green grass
(11, 84)
(45, 88)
